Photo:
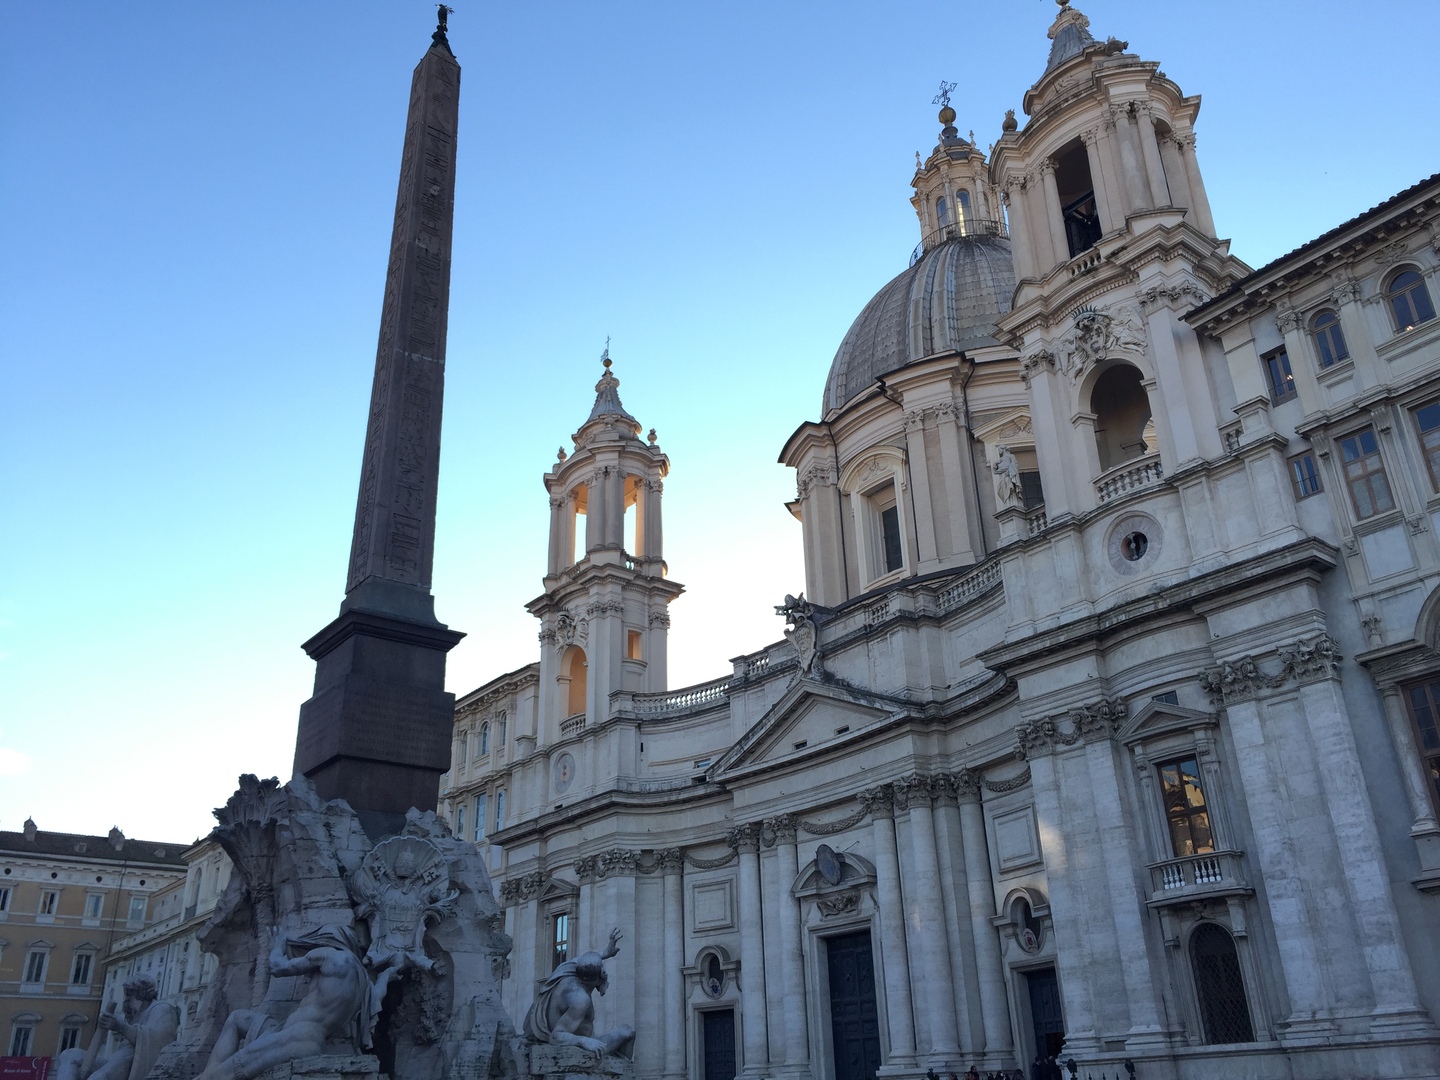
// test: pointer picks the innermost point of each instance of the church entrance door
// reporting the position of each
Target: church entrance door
(1046, 1019)
(854, 1020)
(718, 1041)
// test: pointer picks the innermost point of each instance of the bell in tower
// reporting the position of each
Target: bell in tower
(604, 612)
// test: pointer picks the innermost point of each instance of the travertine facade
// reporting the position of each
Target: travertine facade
(1107, 724)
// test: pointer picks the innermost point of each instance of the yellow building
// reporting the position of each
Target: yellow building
(64, 901)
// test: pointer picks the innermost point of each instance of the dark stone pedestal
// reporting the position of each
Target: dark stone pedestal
(377, 730)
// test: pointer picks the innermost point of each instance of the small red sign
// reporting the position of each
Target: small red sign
(24, 1068)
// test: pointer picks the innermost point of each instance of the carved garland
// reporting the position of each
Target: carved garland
(1304, 661)
(1042, 736)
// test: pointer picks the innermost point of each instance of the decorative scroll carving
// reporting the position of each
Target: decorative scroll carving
(744, 837)
(802, 632)
(1178, 294)
(525, 888)
(1303, 661)
(1345, 291)
(1096, 336)
(1067, 729)
(780, 829)
(1288, 321)
(817, 474)
(1391, 254)
(838, 903)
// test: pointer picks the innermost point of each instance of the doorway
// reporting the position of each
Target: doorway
(717, 1041)
(854, 1019)
(1046, 1019)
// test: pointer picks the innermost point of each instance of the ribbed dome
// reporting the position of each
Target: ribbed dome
(948, 300)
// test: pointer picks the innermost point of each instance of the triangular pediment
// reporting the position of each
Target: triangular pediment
(811, 714)
(559, 888)
(1162, 718)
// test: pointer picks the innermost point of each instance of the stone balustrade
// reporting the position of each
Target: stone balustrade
(1131, 476)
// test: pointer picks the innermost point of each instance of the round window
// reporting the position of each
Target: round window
(1132, 543)
(1133, 546)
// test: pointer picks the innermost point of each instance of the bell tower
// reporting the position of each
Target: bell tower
(603, 615)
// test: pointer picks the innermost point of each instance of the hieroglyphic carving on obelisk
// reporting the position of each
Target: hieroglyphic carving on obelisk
(394, 536)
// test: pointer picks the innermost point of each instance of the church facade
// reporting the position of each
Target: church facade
(1106, 726)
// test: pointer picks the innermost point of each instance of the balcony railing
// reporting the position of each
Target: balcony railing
(1175, 881)
(956, 230)
(1131, 476)
(572, 725)
(686, 699)
(1036, 521)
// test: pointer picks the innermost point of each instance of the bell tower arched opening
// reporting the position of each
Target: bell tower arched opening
(574, 670)
(1076, 189)
(1124, 430)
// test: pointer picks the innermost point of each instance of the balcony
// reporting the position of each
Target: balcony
(572, 726)
(1189, 878)
(956, 230)
(1129, 477)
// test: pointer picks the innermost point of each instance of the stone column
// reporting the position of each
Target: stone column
(653, 531)
(595, 511)
(955, 896)
(1020, 244)
(1174, 166)
(756, 1042)
(1109, 218)
(1200, 204)
(967, 542)
(928, 919)
(1136, 190)
(1369, 367)
(1113, 169)
(672, 1011)
(1150, 151)
(994, 1008)
(615, 507)
(895, 962)
(927, 549)
(1054, 215)
(1412, 769)
(1358, 840)
(792, 961)
(557, 559)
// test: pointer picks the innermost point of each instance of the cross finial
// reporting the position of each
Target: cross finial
(605, 356)
(943, 98)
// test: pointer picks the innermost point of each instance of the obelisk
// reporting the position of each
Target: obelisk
(376, 731)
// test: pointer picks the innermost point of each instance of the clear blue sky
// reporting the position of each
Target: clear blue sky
(198, 199)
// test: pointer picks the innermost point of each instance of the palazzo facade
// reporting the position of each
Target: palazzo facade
(1106, 725)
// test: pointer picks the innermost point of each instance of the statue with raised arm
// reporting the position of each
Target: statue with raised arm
(564, 1014)
(145, 1026)
(337, 1005)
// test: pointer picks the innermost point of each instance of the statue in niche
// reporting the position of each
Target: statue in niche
(145, 1026)
(801, 632)
(336, 1006)
(403, 886)
(1007, 477)
(564, 1013)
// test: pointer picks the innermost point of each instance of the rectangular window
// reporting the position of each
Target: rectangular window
(633, 645)
(1185, 810)
(20, 1039)
(460, 821)
(1365, 474)
(461, 744)
(1304, 477)
(890, 538)
(1031, 493)
(80, 969)
(1427, 421)
(36, 961)
(1277, 375)
(4, 898)
(69, 1037)
(1423, 700)
(560, 939)
(49, 901)
(480, 802)
(137, 911)
(1169, 697)
(94, 905)
(500, 810)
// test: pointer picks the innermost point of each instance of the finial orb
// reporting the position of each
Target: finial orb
(607, 362)
(947, 116)
(1063, 3)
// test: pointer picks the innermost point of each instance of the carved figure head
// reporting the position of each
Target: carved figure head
(405, 864)
(590, 970)
(139, 993)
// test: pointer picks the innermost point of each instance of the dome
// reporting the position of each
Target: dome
(949, 300)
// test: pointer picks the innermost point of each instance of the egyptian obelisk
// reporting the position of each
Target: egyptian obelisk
(376, 731)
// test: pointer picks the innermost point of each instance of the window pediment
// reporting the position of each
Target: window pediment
(1160, 719)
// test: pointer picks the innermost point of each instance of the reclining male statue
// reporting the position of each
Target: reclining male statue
(564, 1014)
(145, 1027)
(337, 1005)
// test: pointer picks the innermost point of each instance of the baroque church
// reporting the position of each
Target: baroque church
(1105, 727)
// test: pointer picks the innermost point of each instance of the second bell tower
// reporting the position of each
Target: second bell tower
(603, 614)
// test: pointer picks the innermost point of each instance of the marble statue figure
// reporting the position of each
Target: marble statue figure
(1007, 477)
(337, 1005)
(564, 1013)
(145, 1026)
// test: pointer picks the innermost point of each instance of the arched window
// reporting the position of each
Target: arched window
(485, 738)
(962, 202)
(942, 211)
(1123, 431)
(1329, 338)
(1224, 1009)
(500, 730)
(500, 810)
(1410, 303)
